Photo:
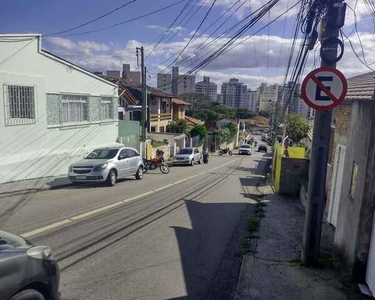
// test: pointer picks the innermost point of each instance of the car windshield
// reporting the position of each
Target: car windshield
(185, 151)
(102, 154)
(11, 240)
(245, 146)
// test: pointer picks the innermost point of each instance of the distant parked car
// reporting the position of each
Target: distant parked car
(107, 165)
(262, 148)
(187, 156)
(27, 272)
(244, 149)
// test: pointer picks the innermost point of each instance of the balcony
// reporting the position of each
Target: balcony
(160, 117)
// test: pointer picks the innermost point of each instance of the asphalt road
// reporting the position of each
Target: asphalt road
(167, 244)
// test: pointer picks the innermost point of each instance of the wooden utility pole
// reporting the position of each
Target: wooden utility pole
(144, 96)
(331, 25)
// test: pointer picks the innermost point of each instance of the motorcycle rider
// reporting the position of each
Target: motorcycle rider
(205, 155)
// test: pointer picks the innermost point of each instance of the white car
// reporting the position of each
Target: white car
(187, 156)
(244, 149)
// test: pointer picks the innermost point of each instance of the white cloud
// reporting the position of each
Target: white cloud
(247, 62)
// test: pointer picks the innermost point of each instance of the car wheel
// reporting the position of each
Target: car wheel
(112, 178)
(139, 174)
(192, 163)
(28, 295)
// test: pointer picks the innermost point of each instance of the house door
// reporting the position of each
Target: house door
(338, 171)
(370, 273)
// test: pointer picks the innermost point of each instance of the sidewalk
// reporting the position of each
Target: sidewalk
(32, 185)
(272, 270)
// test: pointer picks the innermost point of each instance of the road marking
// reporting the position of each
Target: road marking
(107, 207)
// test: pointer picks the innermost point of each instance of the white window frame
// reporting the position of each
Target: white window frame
(83, 101)
(25, 110)
(105, 100)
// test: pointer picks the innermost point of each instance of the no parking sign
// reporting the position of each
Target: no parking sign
(324, 88)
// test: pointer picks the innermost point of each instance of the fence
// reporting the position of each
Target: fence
(129, 133)
(193, 142)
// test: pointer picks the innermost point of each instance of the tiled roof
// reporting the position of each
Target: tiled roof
(133, 84)
(361, 87)
(193, 121)
(180, 102)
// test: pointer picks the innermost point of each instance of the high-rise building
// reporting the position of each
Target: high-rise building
(130, 75)
(178, 84)
(207, 88)
(164, 82)
(219, 98)
(268, 96)
(296, 104)
(234, 93)
(252, 102)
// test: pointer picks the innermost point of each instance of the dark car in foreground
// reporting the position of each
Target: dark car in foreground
(27, 272)
(262, 148)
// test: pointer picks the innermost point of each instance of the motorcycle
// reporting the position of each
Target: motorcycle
(225, 151)
(156, 162)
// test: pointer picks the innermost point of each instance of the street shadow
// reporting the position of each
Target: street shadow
(207, 249)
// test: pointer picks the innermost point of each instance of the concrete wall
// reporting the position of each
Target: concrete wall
(339, 135)
(293, 172)
(47, 147)
(355, 215)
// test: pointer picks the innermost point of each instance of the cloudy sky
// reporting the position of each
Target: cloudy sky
(253, 59)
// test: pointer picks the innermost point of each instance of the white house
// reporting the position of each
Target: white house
(52, 112)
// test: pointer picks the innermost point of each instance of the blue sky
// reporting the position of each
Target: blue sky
(110, 48)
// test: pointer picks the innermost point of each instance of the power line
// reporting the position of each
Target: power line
(169, 28)
(94, 20)
(192, 37)
(204, 45)
(127, 21)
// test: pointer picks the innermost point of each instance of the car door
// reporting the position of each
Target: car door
(133, 161)
(123, 163)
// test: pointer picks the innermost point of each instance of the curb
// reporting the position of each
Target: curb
(33, 190)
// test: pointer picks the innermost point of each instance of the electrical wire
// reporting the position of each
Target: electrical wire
(168, 29)
(127, 21)
(192, 37)
(93, 20)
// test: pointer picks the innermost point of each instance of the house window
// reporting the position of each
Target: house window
(19, 105)
(107, 108)
(75, 108)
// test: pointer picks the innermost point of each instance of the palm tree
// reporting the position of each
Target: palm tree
(179, 126)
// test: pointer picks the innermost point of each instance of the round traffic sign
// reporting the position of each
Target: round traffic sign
(324, 88)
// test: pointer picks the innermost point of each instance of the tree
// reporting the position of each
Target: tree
(297, 127)
(197, 100)
(199, 130)
(227, 133)
(179, 126)
(264, 113)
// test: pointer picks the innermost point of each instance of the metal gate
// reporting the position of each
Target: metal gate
(338, 172)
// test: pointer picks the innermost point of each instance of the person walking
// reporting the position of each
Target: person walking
(205, 155)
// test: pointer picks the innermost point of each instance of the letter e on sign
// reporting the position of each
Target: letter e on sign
(324, 88)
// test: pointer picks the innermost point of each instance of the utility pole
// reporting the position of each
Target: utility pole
(144, 96)
(331, 25)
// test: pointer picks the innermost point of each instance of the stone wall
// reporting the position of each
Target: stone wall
(293, 172)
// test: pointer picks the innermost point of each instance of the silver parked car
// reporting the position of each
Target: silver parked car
(107, 165)
(187, 156)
